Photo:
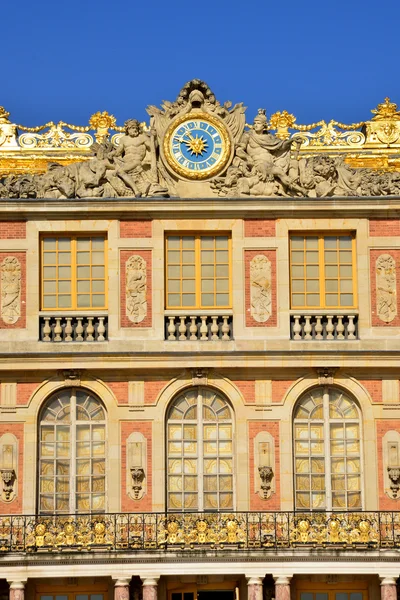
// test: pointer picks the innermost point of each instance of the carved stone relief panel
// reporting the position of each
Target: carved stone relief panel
(391, 464)
(264, 464)
(260, 288)
(136, 288)
(136, 465)
(386, 296)
(10, 289)
(8, 466)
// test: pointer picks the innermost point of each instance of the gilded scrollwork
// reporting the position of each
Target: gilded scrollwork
(136, 289)
(10, 290)
(386, 288)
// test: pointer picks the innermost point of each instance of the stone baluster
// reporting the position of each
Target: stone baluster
(182, 329)
(79, 330)
(46, 330)
(307, 327)
(296, 327)
(330, 328)
(90, 330)
(101, 329)
(203, 329)
(351, 328)
(282, 588)
(225, 328)
(68, 330)
(17, 590)
(58, 330)
(214, 328)
(254, 588)
(318, 328)
(121, 589)
(171, 329)
(150, 588)
(193, 328)
(339, 328)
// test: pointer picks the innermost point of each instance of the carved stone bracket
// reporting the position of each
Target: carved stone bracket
(71, 376)
(200, 377)
(326, 375)
(394, 476)
(138, 476)
(266, 476)
(8, 477)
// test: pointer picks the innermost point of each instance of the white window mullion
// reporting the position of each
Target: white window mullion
(327, 445)
(72, 478)
(200, 454)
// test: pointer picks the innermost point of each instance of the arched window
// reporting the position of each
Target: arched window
(72, 453)
(327, 451)
(200, 452)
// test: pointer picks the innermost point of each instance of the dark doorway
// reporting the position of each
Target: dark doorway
(216, 595)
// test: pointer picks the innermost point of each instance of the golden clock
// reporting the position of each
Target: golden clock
(197, 146)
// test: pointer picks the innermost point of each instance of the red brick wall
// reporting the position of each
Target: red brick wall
(248, 256)
(146, 255)
(259, 228)
(384, 227)
(135, 229)
(12, 230)
(15, 507)
(374, 254)
(146, 503)
(24, 392)
(256, 502)
(21, 323)
(374, 388)
(279, 388)
(248, 389)
(120, 390)
(152, 390)
(382, 427)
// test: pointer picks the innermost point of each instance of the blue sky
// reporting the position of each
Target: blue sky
(317, 59)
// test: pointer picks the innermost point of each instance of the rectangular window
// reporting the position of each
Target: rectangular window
(322, 271)
(198, 271)
(73, 272)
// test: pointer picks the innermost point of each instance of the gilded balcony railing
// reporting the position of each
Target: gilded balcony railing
(199, 531)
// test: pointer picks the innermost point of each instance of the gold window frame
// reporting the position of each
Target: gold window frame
(74, 278)
(197, 250)
(321, 235)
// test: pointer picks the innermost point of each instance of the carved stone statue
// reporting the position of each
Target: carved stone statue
(136, 289)
(10, 290)
(135, 161)
(386, 294)
(260, 288)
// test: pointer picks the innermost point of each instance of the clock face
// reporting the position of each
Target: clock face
(197, 146)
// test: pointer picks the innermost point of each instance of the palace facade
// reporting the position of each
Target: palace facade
(199, 356)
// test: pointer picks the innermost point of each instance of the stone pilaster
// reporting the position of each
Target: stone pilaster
(282, 588)
(17, 590)
(121, 589)
(150, 588)
(254, 588)
(388, 588)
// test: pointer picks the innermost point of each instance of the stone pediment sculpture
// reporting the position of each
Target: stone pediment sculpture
(198, 147)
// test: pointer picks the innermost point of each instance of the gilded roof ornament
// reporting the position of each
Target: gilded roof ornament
(386, 110)
(282, 121)
(102, 122)
(4, 114)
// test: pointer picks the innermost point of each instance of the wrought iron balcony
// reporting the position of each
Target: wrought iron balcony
(228, 532)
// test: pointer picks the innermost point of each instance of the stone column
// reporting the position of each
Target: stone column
(121, 589)
(150, 588)
(282, 588)
(17, 590)
(254, 590)
(388, 588)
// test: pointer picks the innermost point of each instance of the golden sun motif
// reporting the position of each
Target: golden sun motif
(196, 145)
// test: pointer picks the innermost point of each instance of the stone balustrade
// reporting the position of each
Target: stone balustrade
(323, 326)
(73, 328)
(189, 327)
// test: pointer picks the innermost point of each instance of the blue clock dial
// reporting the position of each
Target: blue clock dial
(197, 147)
